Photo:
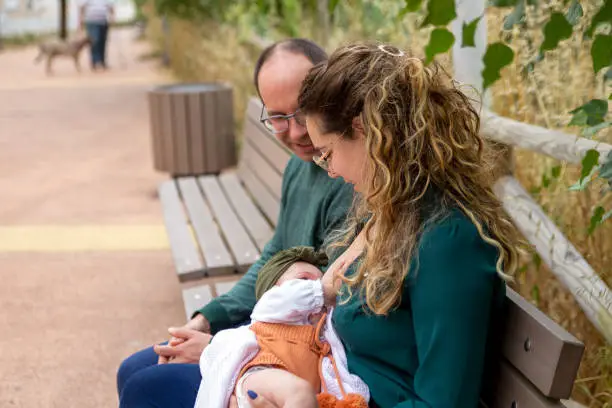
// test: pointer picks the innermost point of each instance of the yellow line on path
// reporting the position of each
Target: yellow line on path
(80, 238)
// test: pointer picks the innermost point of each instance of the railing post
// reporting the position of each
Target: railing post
(468, 66)
(323, 21)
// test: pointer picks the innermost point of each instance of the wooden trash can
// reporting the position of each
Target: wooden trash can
(192, 128)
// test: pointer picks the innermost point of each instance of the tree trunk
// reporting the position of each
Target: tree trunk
(323, 22)
(63, 33)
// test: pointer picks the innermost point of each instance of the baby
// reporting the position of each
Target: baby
(289, 352)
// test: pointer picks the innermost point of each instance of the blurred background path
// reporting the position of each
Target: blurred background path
(86, 276)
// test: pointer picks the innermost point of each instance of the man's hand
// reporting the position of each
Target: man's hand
(185, 346)
(198, 323)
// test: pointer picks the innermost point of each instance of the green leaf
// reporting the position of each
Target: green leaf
(468, 32)
(497, 56)
(535, 190)
(604, 15)
(535, 294)
(545, 181)
(601, 51)
(605, 171)
(411, 6)
(556, 172)
(574, 12)
(555, 30)
(596, 219)
(581, 184)
(331, 6)
(590, 114)
(440, 41)
(439, 12)
(537, 260)
(589, 163)
(590, 131)
(503, 3)
(517, 15)
(580, 118)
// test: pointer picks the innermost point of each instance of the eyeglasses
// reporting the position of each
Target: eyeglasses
(322, 160)
(280, 123)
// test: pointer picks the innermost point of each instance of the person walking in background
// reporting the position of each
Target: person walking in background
(95, 17)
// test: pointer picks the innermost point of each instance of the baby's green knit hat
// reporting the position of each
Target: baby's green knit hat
(277, 265)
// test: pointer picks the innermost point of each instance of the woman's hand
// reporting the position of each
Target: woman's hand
(331, 282)
(259, 401)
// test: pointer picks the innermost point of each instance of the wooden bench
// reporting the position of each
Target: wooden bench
(536, 365)
(232, 216)
(219, 224)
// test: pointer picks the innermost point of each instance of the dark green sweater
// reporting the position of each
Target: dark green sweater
(430, 351)
(312, 205)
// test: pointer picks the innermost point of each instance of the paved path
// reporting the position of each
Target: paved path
(85, 274)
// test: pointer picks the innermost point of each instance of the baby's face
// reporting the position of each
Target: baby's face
(300, 270)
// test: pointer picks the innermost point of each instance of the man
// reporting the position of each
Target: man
(312, 205)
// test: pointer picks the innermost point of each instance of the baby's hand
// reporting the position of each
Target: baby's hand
(315, 318)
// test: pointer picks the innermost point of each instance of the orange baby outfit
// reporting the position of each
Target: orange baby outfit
(299, 350)
(292, 348)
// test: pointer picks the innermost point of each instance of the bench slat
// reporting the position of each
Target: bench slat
(212, 140)
(181, 133)
(165, 111)
(267, 146)
(264, 171)
(184, 251)
(511, 389)
(195, 298)
(196, 144)
(253, 110)
(238, 239)
(216, 255)
(256, 224)
(262, 197)
(539, 348)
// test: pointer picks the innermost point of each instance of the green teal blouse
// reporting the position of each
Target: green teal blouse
(430, 351)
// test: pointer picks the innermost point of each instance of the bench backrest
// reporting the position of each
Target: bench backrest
(538, 360)
(262, 162)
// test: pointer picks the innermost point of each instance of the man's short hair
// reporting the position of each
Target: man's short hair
(300, 46)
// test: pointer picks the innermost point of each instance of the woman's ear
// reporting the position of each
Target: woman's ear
(358, 127)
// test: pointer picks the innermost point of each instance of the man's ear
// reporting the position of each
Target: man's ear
(357, 125)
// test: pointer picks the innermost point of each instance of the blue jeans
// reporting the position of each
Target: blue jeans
(142, 383)
(97, 33)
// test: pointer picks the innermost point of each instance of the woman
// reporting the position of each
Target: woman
(434, 245)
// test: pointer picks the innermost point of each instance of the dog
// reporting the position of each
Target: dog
(56, 48)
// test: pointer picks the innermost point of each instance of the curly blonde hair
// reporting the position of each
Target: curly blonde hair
(421, 137)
